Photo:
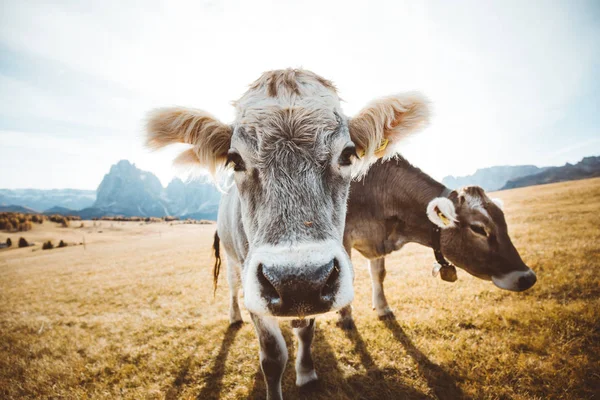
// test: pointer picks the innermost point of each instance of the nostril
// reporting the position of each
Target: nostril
(332, 283)
(267, 289)
(526, 281)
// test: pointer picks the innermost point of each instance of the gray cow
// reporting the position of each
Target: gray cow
(396, 203)
(291, 154)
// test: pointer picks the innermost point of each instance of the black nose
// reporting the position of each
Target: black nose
(299, 291)
(526, 281)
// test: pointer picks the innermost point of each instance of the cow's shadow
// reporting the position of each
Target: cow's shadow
(439, 381)
(375, 383)
(215, 378)
(333, 382)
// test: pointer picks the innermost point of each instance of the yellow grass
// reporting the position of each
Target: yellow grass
(132, 316)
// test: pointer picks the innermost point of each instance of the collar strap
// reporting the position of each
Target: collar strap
(437, 247)
(446, 269)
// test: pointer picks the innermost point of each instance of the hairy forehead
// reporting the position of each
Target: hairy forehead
(478, 200)
(301, 127)
(289, 88)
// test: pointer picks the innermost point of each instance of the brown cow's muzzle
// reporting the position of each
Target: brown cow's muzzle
(516, 281)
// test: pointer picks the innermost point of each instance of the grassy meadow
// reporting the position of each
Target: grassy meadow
(132, 316)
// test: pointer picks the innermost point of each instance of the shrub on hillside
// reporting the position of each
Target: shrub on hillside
(23, 242)
(62, 244)
(47, 245)
(8, 242)
(25, 226)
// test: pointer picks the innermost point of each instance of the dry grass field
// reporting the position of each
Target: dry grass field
(132, 316)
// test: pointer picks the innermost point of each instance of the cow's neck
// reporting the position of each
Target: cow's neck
(411, 190)
(410, 205)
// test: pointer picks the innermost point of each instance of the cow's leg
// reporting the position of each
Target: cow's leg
(233, 279)
(380, 304)
(305, 368)
(273, 353)
(345, 320)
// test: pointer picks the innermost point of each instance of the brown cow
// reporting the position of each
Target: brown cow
(396, 203)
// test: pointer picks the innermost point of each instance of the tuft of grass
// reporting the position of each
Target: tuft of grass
(132, 316)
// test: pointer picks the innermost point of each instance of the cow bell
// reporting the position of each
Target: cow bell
(447, 272)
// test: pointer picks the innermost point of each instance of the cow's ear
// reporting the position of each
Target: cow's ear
(378, 128)
(499, 203)
(209, 137)
(441, 212)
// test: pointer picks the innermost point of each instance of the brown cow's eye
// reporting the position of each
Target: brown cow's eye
(348, 154)
(233, 157)
(478, 230)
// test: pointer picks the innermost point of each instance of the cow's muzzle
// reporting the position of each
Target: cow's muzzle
(516, 281)
(299, 291)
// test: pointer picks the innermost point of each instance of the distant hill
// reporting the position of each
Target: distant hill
(38, 199)
(60, 210)
(589, 167)
(17, 209)
(493, 178)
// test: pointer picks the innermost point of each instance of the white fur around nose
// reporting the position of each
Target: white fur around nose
(446, 207)
(296, 257)
(510, 281)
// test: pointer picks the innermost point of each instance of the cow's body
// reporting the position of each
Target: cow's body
(292, 154)
(389, 208)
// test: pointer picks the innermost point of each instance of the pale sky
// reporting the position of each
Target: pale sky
(510, 82)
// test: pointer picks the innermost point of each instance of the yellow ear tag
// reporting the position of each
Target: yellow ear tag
(444, 219)
(379, 151)
(361, 152)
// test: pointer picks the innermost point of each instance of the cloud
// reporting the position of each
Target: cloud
(502, 75)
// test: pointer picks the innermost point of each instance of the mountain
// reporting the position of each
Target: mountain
(198, 199)
(125, 190)
(129, 191)
(493, 178)
(40, 200)
(589, 167)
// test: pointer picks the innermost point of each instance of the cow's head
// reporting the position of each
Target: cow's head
(292, 154)
(475, 238)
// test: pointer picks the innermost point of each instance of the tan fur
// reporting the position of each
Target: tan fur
(210, 138)
(393, 118)
(286, 82)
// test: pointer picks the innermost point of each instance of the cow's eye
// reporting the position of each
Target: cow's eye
(478, 230)
(233, 157)
(348, 155)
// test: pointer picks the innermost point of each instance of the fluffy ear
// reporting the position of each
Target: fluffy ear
(380, 126)
(209, 137)
(499, 203)
(441, 212)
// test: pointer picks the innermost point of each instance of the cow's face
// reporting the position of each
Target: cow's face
(475, 238)
(292, 154)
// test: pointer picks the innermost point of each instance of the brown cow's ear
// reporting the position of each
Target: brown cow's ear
(209, 137)
(441, 212)
(499, 203)
(380, 126)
